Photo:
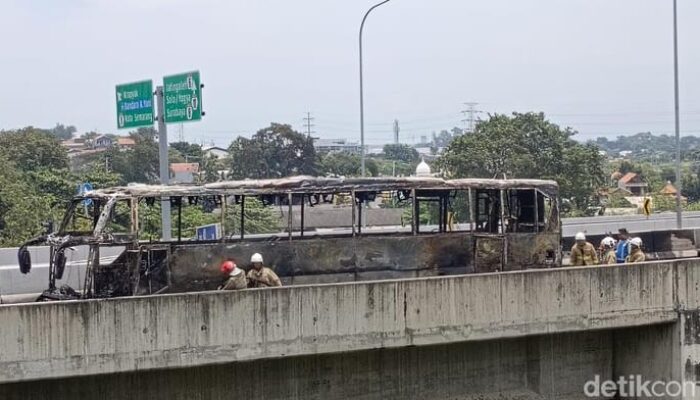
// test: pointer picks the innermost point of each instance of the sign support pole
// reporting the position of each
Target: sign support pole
(163, 163)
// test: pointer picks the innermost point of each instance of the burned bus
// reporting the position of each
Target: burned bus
(308, 229)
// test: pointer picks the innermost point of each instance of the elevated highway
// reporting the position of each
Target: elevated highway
(528, 334)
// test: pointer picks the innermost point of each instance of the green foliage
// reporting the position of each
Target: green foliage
(192, 152)
(258, 218)
(345, 164)
(646, 146)
(397, 168)
(273, 152)
(138, 164)
(663, 203)
(33, 149)
(63, 132)
(617, 200)
(23, 210)
(400, 152)
(209, 167)
(528, 146)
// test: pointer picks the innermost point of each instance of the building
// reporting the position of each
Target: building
(336, 146)
(74, 144)
(214, 151)
(669, 190)
(633, 183)
(102, 142)
(183, 172)
(423, 169)
(125, 142)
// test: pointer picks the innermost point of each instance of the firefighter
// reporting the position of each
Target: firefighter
(261, 276)
(636, 253)
(583, 253)
(236, 276)
(607, 249)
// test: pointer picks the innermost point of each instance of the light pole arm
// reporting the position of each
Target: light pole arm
(362, 105)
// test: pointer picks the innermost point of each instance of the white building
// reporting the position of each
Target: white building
(423, 169)
(216, 152)
(336, 145)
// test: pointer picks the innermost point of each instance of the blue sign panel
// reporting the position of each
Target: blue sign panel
(208, 232)
(84, 188)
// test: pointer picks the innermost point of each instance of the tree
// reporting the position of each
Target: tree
(273, 152)
(191, 152)
(63, 132)
(209, 168)
(528, 146)
(33, 149)
(23, 210)
(140, 163)
(401, 152)
(258, 218)
(346, 164)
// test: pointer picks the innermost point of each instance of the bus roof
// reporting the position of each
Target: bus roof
(310, 185)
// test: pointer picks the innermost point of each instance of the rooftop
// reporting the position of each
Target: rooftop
(309, 184)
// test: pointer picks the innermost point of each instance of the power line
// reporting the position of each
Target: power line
(308, 124)
(470, 113)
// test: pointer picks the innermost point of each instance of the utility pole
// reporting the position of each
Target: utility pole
(163, 163)
(308, 124)
(679, 184)
(362, 101)
(470, 114)
(396, 131)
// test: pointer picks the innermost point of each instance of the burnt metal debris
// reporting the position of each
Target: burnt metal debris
(445, 227)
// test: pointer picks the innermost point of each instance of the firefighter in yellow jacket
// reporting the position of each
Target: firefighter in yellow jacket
(607, 250)
(260, 276)
(636, 253)
(583, 252)
(236, 276)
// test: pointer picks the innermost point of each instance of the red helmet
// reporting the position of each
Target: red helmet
(227, 266)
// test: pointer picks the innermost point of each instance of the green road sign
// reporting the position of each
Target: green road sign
(183, 97)
(135, 104)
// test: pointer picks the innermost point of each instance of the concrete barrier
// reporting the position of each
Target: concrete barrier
(52, 340)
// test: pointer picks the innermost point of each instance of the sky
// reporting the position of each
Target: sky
(602, 67)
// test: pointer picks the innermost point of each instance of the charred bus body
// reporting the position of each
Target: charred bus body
(310, 230)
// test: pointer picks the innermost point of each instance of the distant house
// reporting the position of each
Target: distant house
(336, 145)
(633, 183)
(74, 144)
(214, 151)
(125, 142)
(668, 190)
(102, 142)
(183, 172)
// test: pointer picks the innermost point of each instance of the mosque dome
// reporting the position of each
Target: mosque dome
(423, 169)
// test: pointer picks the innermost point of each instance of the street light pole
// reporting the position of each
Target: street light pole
(679, 184)
(362, 104)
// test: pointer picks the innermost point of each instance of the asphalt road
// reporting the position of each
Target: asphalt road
(633, 223)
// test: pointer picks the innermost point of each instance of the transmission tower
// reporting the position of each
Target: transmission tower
(470, 116)
(308, 124)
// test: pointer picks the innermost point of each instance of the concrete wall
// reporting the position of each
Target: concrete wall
(52, 340)
(538, 367)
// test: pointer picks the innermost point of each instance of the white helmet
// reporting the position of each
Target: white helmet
(580, 236)
(607, 242)
(636, 242)
(256, 258)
